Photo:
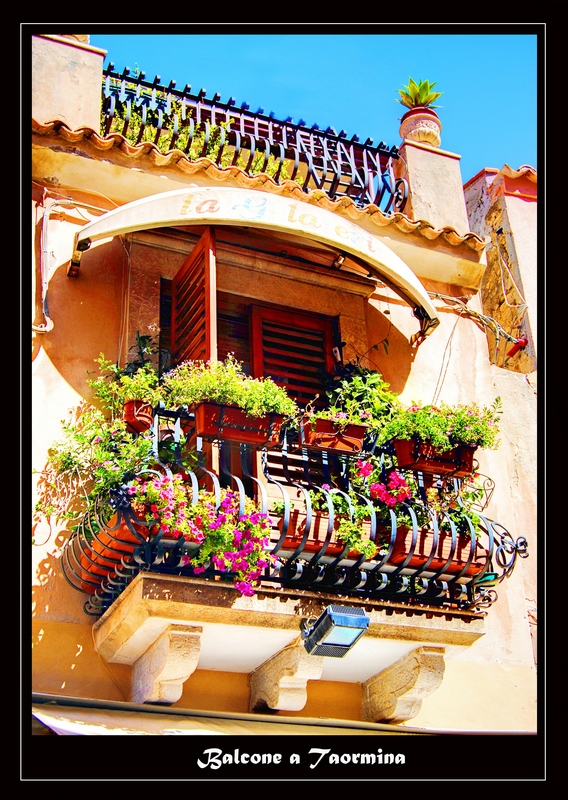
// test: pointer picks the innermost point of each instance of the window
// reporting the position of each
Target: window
(291, 346)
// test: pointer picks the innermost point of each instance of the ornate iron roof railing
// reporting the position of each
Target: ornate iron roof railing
(232, 135)
(410, 566)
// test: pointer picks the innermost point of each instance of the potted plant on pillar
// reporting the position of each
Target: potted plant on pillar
(420, 123)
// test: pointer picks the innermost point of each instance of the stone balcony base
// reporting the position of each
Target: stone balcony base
(166, 627)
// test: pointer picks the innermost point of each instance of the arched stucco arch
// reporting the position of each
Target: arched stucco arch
(245, 207)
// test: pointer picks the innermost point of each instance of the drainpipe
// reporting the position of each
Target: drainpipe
(47, 325)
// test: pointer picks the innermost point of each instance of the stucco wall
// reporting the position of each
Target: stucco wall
(490, 686)
(450, 365)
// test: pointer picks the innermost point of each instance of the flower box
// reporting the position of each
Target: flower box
(418, 455)
(215, 421)
(104, 553)
(422, 550)
(325, 434)
(108, 547)
(317, 536)
(138, 415)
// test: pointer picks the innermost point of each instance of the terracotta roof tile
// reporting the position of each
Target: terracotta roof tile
(522, 172)
(177, 159)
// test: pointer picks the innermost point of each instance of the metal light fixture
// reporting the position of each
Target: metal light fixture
(335, 631)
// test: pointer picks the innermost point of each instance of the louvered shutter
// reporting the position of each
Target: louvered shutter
(293, 349)
(194, 312)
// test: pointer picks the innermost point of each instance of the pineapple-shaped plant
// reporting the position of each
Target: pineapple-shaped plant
(418, 95)
(420, 123)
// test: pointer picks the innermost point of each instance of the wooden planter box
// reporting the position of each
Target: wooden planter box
(421, 552)
(417, 455)
(214, 421)
(138, 415)
(318, 534)
(323, 434)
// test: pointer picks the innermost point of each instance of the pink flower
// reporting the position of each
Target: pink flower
(245, 588)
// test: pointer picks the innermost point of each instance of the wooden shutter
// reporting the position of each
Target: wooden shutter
(194, 312)
(293, 349)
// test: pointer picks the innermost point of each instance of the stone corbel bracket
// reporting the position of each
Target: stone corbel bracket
(395, 694)
(281, 682)
(158, 674)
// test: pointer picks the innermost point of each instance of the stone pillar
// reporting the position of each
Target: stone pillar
(502, 208)
(435, 185)
(67, 81)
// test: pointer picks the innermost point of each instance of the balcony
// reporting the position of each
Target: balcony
(233, 136)
(417, 555)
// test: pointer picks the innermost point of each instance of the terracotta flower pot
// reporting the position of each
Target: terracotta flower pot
(138, 415)
(318, 534)
(421, 124)
(420, 553)
(418, 455)
(215, 421)
(106, 553)
(107, 549)
(324, 434)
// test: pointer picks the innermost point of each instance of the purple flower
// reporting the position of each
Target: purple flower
(245, 588)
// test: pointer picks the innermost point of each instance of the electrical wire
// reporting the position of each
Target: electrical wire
(486, 322)
(502, 263)
(445, 363)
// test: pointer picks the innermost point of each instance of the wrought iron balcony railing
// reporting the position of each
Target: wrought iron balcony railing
(420, 566)
(232, 135)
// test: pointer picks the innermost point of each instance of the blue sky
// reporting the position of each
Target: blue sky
(349, 80)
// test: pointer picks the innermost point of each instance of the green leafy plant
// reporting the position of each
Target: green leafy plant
(97, 452)
(94, 455)
(355, 395)
(350, 532)
(418, 94)
(225, 382)
(447, 426)
(195, 139)
(458, 506)
(138, 379)
(114, 386)
(351, 513)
